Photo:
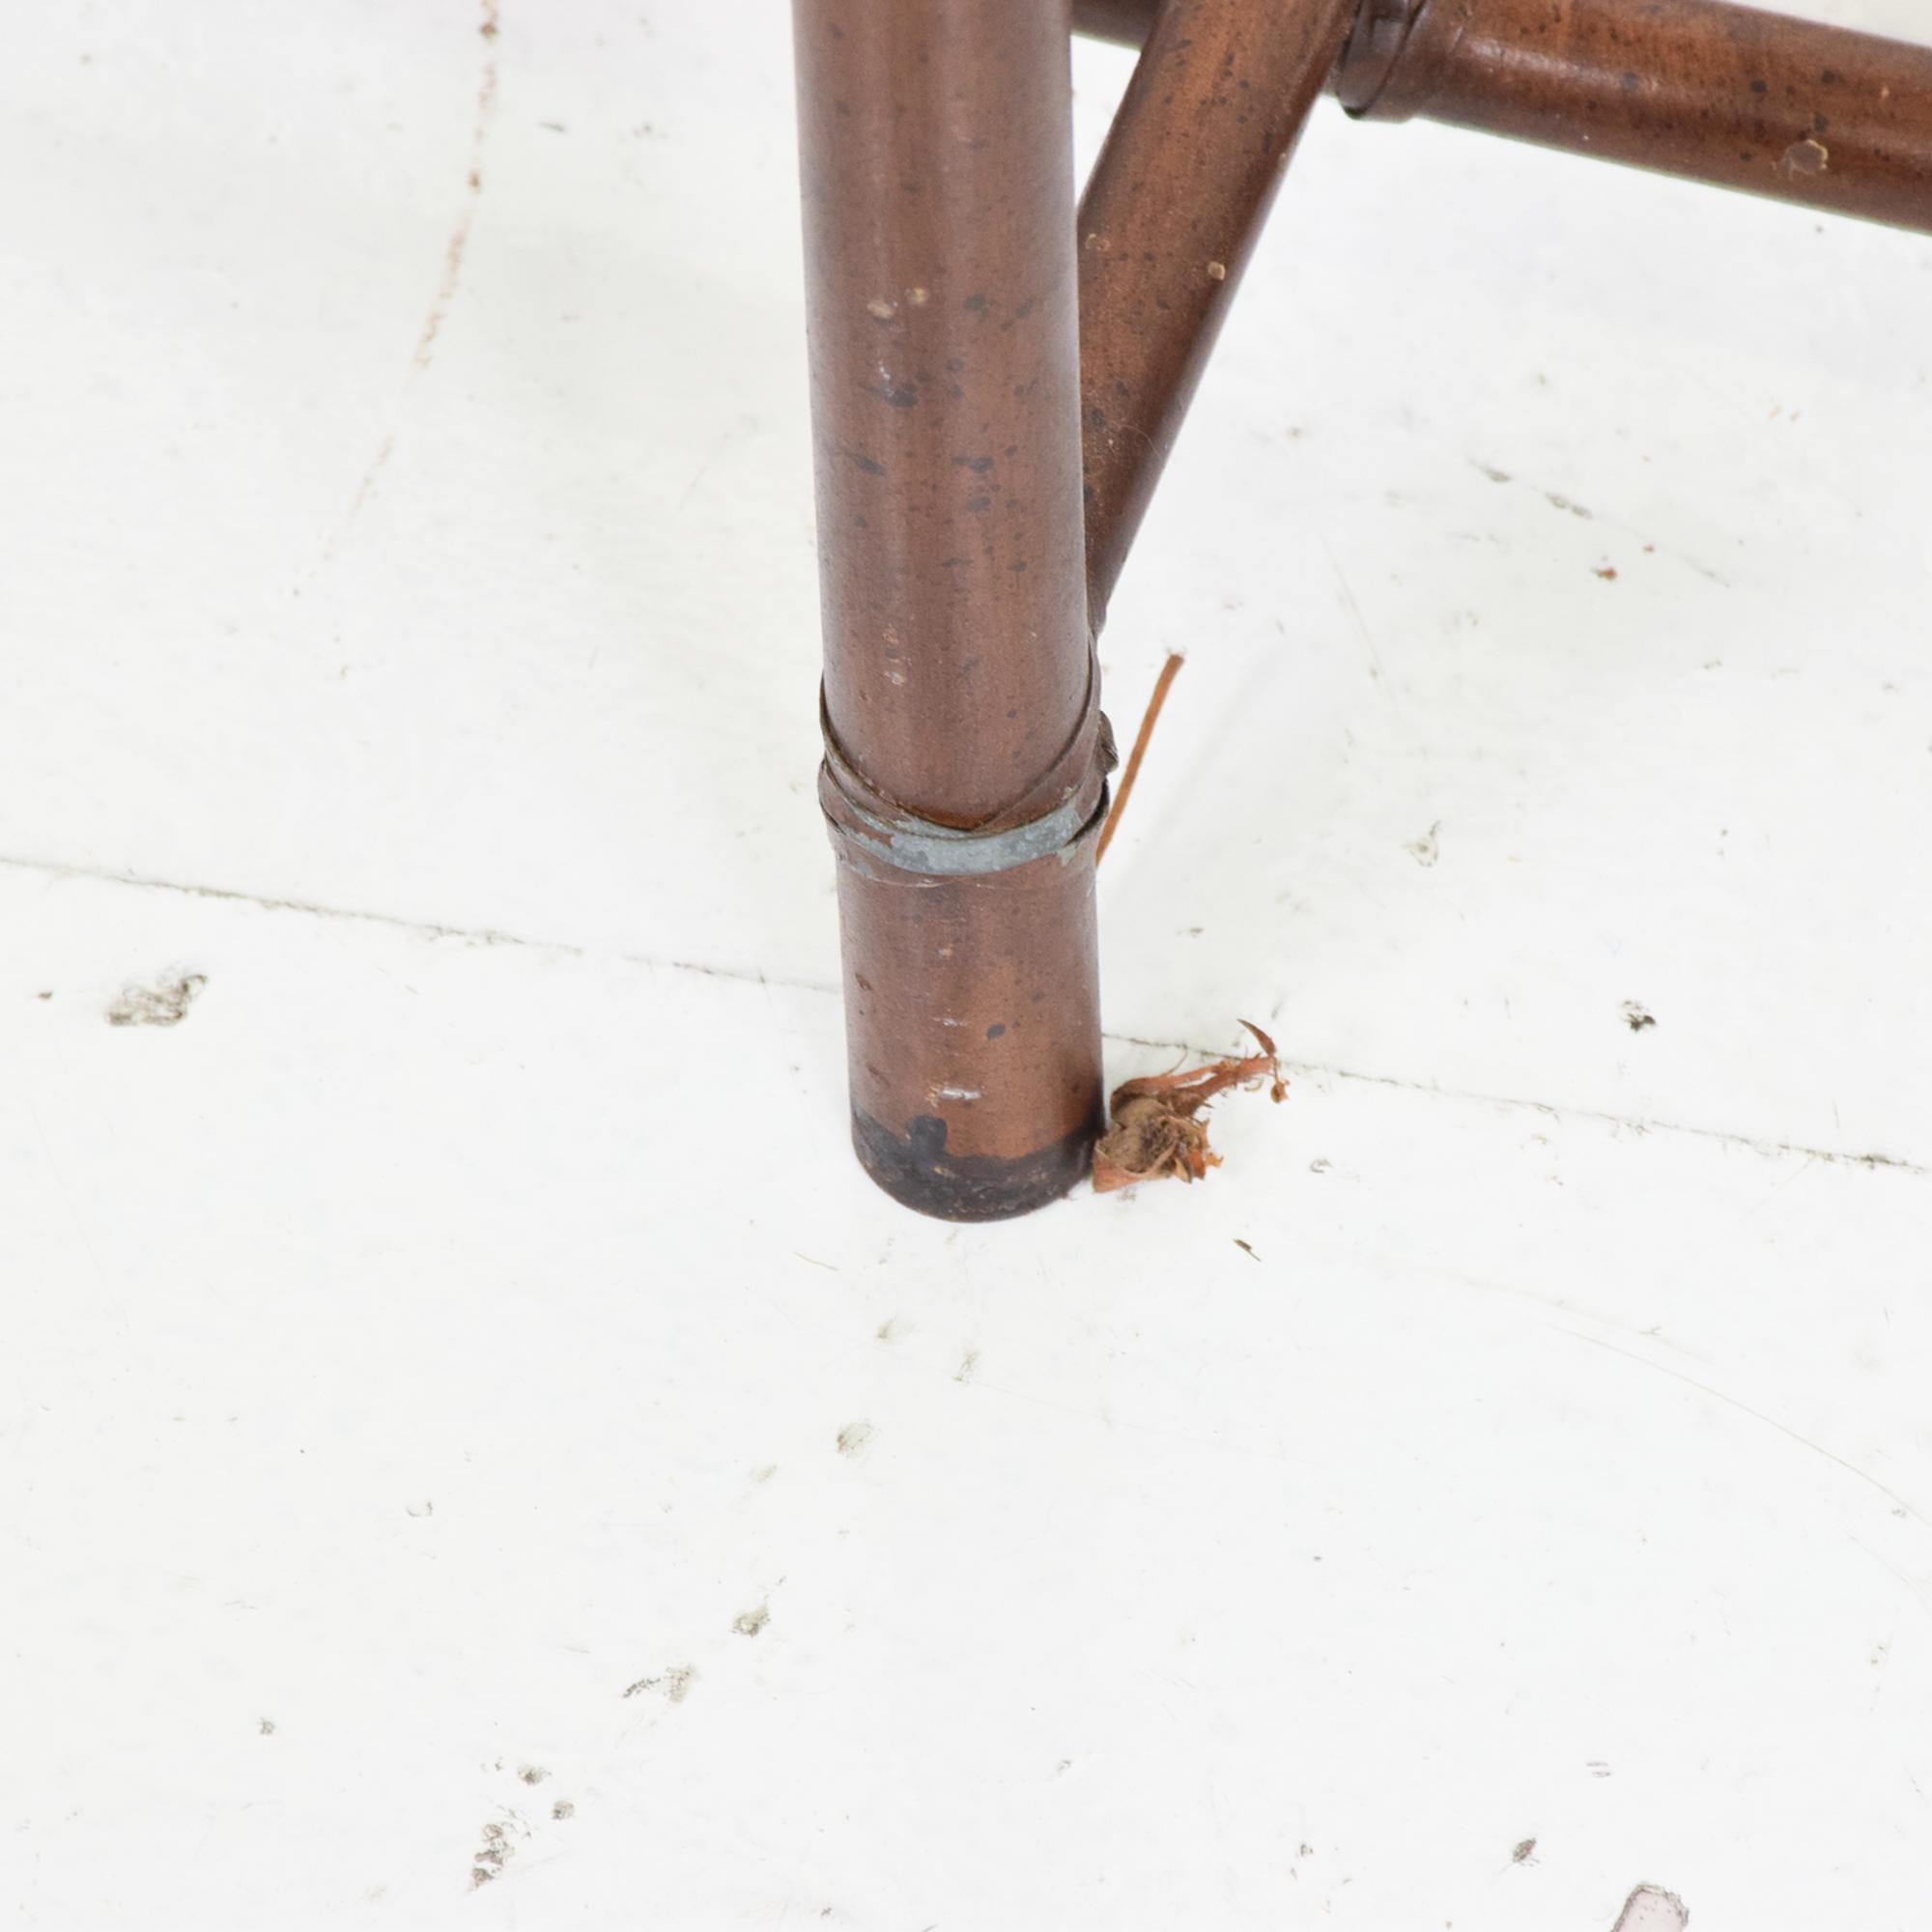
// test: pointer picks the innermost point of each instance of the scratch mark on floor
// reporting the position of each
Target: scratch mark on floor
(1892, 1495)
(459, 238)
(711, 456)
(452, 257)
(1560, 503)
(1898, 1577)
(1354, 611)
(377, 465)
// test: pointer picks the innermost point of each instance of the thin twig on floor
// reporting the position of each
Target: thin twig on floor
(1168, 671)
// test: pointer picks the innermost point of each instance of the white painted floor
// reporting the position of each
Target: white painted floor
(461, 1406)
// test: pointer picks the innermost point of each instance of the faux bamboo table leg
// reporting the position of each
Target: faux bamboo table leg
(966, 757)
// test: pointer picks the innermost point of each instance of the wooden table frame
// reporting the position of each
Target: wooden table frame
(998, 378)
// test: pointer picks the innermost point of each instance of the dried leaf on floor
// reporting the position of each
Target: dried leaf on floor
(1157, 1128)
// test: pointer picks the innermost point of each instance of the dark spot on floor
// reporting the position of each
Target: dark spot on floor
(163, 1005)
(675, 1684)
(496, 1852)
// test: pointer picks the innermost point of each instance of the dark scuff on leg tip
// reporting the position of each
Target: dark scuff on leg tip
(917, 1172)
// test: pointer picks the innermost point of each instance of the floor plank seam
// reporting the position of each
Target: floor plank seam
(1761, 1144)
